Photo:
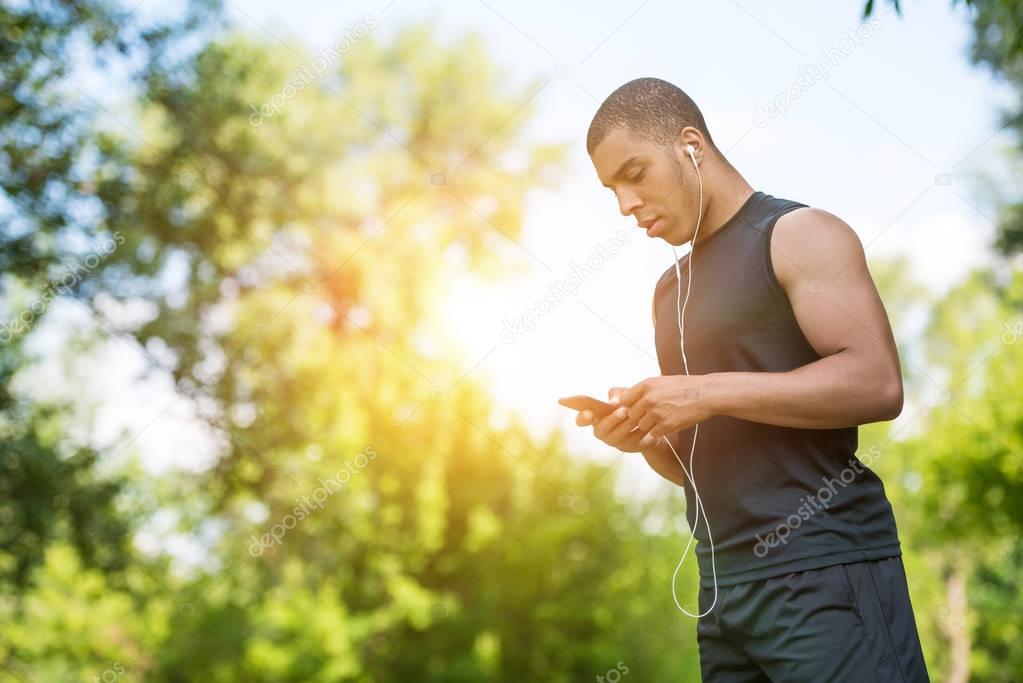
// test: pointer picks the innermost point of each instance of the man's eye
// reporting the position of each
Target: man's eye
(638, 177)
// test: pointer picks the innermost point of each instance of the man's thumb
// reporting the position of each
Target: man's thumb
(614, 395)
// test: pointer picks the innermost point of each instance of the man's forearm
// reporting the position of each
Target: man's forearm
(662, 460)
(829, 393)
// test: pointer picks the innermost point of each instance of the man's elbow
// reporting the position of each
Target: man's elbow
(892, 400)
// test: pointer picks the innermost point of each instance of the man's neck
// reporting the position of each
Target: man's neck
(731, 192)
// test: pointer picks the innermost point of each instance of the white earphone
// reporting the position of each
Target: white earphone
(696, 427)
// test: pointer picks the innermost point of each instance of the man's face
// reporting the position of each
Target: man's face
(650, 184)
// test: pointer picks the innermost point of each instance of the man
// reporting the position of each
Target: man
(788, 349)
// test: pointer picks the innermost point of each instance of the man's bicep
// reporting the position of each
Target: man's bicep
(821, 264)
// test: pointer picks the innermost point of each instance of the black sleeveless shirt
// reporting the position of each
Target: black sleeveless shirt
(779, 499)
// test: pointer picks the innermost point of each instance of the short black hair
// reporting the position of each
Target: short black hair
(653, 109)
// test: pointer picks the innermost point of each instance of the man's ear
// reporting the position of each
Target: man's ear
(688, 136)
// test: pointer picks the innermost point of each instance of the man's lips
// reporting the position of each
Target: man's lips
(650, 226)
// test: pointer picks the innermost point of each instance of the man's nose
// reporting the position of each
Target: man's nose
(628, 203)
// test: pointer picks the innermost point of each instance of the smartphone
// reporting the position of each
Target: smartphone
(599, 408)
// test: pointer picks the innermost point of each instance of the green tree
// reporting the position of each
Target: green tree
(972, 464)
(289, 259)
(449, 555)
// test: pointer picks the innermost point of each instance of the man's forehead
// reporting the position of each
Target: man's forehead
(620, 143)
(617, 148)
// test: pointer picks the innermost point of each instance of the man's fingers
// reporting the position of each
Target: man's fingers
(609, 423)
(632, 394)
(614, 395)
(647, 442)
(620, 431)
(616, 429)
(647, 423)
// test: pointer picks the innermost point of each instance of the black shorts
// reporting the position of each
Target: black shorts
(844, 623)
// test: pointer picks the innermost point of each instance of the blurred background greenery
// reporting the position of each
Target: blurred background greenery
(358, 519)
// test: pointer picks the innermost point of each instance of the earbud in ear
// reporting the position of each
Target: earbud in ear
(693, 155)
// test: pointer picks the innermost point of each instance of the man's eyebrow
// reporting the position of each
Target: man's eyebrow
(625, 164)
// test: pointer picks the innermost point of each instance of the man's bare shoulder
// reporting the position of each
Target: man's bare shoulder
(811, 243)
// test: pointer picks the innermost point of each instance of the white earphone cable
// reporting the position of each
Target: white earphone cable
(696, 428)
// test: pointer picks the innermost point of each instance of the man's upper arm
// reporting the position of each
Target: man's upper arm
(820, 263)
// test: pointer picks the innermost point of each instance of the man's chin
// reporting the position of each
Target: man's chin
(671, 237)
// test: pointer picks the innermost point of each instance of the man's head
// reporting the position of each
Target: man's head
(637, 142)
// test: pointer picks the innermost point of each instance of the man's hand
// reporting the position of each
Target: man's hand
(665, 405)
(618, 429)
